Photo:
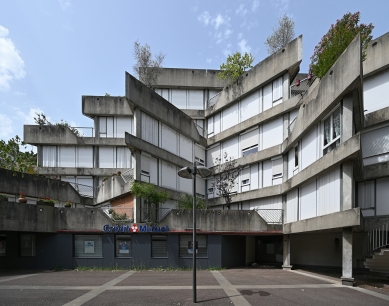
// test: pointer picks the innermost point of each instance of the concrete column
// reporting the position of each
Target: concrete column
(285, 87)
(347, 257)
(137, 123)
(286, 249)
(347, 186)
(347, 118)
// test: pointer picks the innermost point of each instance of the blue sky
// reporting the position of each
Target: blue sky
(54, 51)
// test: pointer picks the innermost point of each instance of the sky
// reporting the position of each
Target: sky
(52, 52)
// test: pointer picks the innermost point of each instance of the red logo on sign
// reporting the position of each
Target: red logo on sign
(134, 228)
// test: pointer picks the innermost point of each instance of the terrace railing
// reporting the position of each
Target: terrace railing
(84, 190)
(377, 238)
(213, 100)
(83, 131)
(153, 215)
(302, 88)
(128, 175)
(271, 216)
(120, 214)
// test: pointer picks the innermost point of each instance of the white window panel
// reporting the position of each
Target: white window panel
(186, 148)
(328, 199)
(179, 98)
(186, 185)
(375, 91)
(382, 189)
(145, 164)
(245, 179)
(267, 173)
(103, 126)
(254, 176)
(291, 162)
(375, 142)
(165, 94)
(309, 148)
(278, 165)
(169, 175)
(149, 130)
(217, 123)
(153, 169)
(200, 186)
(123, 157)
(196, 99)
(67, 156)
(199, 152)
(210, 126)
(230, 116)
(107, 157)
(169, 139)
(249, 139)
(230, 146)
(212, 154)
(267, 97)
(110, 132)
(292, 206)
(277, 89)
(366, 195)
(123, 125)
(249, 106)
(272, 133)
(308, 200)
(85, 157)
(49, 154)
(211, 192)
(267, 203)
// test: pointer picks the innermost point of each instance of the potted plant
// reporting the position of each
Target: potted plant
(3, 197)
(22, 197)
(68, 204)
(47, 201)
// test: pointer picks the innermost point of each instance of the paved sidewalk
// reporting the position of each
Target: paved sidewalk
(228, 287)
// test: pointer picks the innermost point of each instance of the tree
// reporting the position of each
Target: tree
(13, 159)
(148, 192)
(146, 67)
(281, 36)
(186, 202)
(225, 181)
(235, 66)
(338, 37)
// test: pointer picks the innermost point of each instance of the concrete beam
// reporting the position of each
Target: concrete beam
(346, 218)
(105, 106)
(135, 143)
(154, 105)
(376, 171)
(377, 117)
(377, 58)
(264, 72)
(50, 135)
(54, 171)
(194, 113)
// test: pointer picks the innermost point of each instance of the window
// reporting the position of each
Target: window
(331, 127)
(88, 246)
(245, 179)
(277, 167)
(106, 126)
(185, 241)
(250, 150)
(27, 245)
(210, 190)
(158, 246)
(200, 161)
(2, 245)
(296, 156)
(123, 246)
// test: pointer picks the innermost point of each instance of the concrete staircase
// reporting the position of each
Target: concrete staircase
(379, 262)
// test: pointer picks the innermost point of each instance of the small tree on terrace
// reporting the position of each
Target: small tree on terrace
(146, 67)
(281, 36)
(338, 37)
(226, 179)
(235, 66)
(186, 202)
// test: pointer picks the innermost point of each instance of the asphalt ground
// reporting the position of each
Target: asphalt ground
(226, 287)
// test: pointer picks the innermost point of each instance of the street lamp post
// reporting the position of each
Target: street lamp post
(190, 173)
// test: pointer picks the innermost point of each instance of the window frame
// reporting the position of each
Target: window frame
(91, 235)
(249, 149)
(117, 237)
(281, 174)
(198, 254)
(339, 137)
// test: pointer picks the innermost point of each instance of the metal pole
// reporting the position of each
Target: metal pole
(194, 232)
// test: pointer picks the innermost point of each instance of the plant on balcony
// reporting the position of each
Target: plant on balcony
(3, 197)
(235, 66)
(22, 197)
(46, 200)
(68, 204)
(338, 37)
(41, 120)
(186, 202)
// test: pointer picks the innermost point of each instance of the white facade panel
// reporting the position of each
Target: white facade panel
(267, 97)
(254, 177)
(366, 195)
(67, 156)
(309, 148)
(272, 133)
(216, 123)
(290, 162)
(107, 157)
(200, 186)
(110, 129)
(169, 139)
(196, 99)
(375, 91)
(179, 98)
(230, 146)
(249, 106)
(169, 175)
(84, 157)
(211, 192)
(199, 152)
(186, 148)
(230, 116)
(123, 158)
(149, 130)
(153, 169)
(292, 206)
(212, 154)
(185, 185)
(245, 179)
(328, 198)
(277, 90)
(267, 173)
(165, 94)
(123, 125)
(249, 139)
(308, 200)
(49, 155)
(267, 203)
(210, 126)
(382, 204)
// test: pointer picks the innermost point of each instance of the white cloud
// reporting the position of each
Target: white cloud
(11, 64)
(6, 129)
(254, 5)
(227, 33)
(29, 117)
(18, 93)
(209, 60)
(281, 5)
(243, 46)
(241, 10)
(204, 18)
(227, 50)
(216, 22)
(65, 4)
(240, 35)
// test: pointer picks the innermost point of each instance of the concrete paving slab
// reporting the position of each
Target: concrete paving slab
(323, 296)
(168, 278)
(23, 297)
(267, 277)
(158, 297)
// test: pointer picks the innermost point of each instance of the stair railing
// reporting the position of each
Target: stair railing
(377, 238)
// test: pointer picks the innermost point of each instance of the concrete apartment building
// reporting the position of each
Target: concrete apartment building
(314, 187)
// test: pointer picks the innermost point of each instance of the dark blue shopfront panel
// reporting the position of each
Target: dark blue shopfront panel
(233, 251)
(141, 250)
(108, 250)
(64, 251)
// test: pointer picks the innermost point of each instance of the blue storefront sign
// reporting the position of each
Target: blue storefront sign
(134, 229)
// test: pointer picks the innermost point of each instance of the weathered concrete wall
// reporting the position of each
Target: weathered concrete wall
(41, 218)
(78, 171)
(105, 106)
(36, 186)
(50, 135)
(112, 188)
(218, 220)
(377, 117)
(377, 55)
(189, 78)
